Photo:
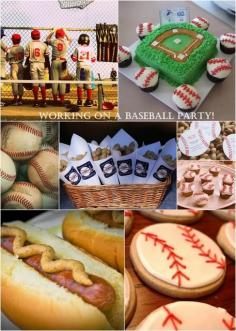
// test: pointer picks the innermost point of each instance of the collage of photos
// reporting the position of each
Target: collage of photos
(117, 163)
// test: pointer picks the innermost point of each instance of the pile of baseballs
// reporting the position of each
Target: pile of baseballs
(29, 165)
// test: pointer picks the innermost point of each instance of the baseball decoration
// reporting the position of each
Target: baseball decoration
(147, 79)
(144, 29)
(229, 146)
(22, 195)
(43, 170)
(227, 43)
(49, 200)
(218, 69)
(170, 258)
(185, 216)
(186, 97)
(8, 172)
(21, 140)
(193, 142)
(124, 57)
(226, 238)
(188, 315)
(200, 22)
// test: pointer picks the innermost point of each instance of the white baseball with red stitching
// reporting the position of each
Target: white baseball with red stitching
(200, 22)
(43, 170)
(143, 29)
(8, 172)
(219, 68)
(146, 77)
(186, 97)
(228, 40)
(21, 140)
(123, 54)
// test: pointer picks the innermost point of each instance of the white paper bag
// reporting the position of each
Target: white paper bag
(70, 175)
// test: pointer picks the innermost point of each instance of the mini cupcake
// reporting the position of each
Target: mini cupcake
(206, 177)
(218, 69)
(214, 170)
(208, 188)
(143, 29)
(228, 179)
(147, 79)
(226, 192)
(186, 189)
(189, 176)
(200, 199)
(124, 57)
(195, 167)
(200, 22)
(227, 43)
(186, 97)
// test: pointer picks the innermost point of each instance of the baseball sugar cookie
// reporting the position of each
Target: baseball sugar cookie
(22, 195)
(229, 146)
(218, 69)
(124, 57)
(21, 140)
(188, 315)
(226, 238)
(186, 97)
(8, 172)
(43, 170)
(130, 297)
(128, 218)
(173, 216)
(147, 79)
(143, 29)
(200, 22)
(227, 43)
(171, 258)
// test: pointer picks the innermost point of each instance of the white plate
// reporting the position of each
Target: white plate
(164, 91)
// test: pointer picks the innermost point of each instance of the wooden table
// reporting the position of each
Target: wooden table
(149, 300)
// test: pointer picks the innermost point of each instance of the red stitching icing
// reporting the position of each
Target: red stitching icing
(185, 145)
(19, 154)
(230, 41)
(139, 73)
(227, 189)
(197, 23)
(6, 176)
(148, 78)
(172, 318)
(184, 97)
(149, 27)
(179, 274)
(121, 48)
(19, 199)
(27, 128)
(202, 139)
(229, 148)
(229, 325)
(202, 19)
(232, 35)
(196, 243)
(221, 68)
(190, 91)
(216, 60)
(42, 176)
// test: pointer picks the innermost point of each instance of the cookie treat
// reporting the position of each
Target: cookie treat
(218, 69)
(188, 315)
(200, 22)
(208, 188)
(144, 29)
(206, 177)
(226, 239)
(124, 57)
(189, 176)
(171, 258)
(228, 179)
(227, 43)
(226, 192)
(186, 189)
(129, 297)
(200, 199)
(185, 216)
(147, 79)
(186, 97)
(128, 218)
(214, 170)
(195, 167)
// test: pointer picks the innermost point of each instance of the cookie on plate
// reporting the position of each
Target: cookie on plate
(200, 22)
(124, 57)
(186, 189)
(147, 79)
(200, 199)
(189, 176)
(129, 297)
(143, 29)
(227, 43)
(228, 179)
(218, 69)
(186, 97)
(195, 167)
(185, 216)
(188, 315)
(214, 170)
(206, 177)
(208, 188)
(182, 254)
(128, 218)
(226, 192)
(226, 239)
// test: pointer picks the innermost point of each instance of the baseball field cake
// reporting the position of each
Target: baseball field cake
(178, 51)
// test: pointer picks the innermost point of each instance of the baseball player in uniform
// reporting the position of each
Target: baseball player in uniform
(3, 60)
(59, 61)
(15, 57)
(84, 55)
(37, 53)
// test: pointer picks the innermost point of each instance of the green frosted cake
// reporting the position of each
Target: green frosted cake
(178, 51)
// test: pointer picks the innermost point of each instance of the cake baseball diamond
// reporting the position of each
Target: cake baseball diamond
(179, 51)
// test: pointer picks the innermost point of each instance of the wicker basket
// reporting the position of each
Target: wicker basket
(118, 196)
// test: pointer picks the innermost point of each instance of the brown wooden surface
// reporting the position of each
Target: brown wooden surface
(149, 300)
